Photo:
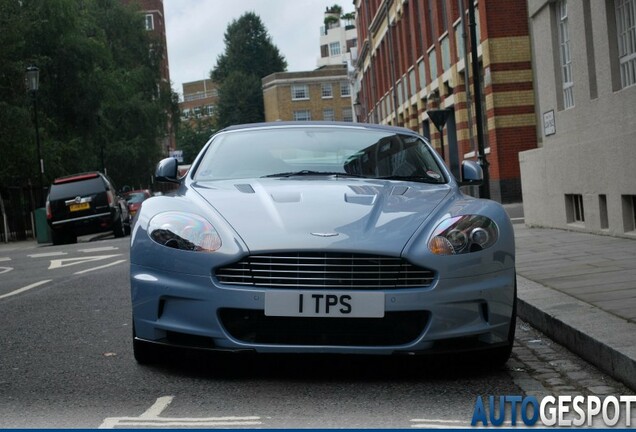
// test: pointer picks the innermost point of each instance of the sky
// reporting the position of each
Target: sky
(195, 29)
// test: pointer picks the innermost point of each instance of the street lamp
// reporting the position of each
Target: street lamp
(33, 84)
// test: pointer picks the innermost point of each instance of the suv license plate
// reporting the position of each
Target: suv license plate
(78, 207)
(328, 304)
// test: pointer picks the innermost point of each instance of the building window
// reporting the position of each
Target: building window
(328, 114)
(327, 91)
(347, 115)
(432, 64)
(574, 211)
(602, 209)
(334, 48)
(345, 90)
(300, 92)
(421, 67)
(626, 32)
(324, 51)
(302, 115)
(412, 82)
(446, 57)
(566, 58)
(629, 212)
(149, 22)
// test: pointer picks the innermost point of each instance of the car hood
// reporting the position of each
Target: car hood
(376, 216)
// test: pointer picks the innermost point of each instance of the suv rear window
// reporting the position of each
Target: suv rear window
(78, 188)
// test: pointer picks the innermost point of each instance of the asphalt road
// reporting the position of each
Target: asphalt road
(66, 361)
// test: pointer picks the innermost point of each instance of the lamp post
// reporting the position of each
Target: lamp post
(33, 84)
(484, 189)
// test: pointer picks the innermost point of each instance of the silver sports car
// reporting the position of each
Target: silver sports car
(322, 238)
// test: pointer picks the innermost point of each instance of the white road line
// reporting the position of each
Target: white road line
(48, 254)
(100, 267)
(4, 270)
(3, 259)
(67, 262)
(26, 288)
(517, 219)
(157, 408)
(151, 419)
(98, 249)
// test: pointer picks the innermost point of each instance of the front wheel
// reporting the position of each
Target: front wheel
(118, 228)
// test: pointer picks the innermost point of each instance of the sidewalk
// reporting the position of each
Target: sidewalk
(580, 290)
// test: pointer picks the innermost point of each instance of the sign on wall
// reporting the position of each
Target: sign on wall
(549, 123)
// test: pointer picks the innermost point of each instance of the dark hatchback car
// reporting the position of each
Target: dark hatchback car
(82, 204)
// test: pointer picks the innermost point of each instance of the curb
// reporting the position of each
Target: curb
(602, 339)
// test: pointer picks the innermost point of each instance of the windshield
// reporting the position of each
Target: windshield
(289, 152)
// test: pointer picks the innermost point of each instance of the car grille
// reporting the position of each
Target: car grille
(253, 326)
(325, 270)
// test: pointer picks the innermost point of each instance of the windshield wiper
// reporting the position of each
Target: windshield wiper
(421, 179)
(310, 173)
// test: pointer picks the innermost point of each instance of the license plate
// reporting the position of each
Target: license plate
(330, 304)
(78, 207)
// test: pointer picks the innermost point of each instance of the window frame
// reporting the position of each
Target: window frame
(297, 90)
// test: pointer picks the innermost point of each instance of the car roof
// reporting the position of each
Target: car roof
(284, 124)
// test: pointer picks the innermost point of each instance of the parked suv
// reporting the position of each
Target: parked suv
(83, 204)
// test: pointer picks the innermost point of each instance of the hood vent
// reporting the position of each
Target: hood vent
(245, 188)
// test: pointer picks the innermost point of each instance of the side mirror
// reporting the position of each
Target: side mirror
(167, 171)
(472, 174)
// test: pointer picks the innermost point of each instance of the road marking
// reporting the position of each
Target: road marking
(26, 288)
(439, 424)
(98, 249)
(4, 270)
(517, 219)
(48, 254)
(100, 267)
(67, 262)
(3, 259)
(151, 419)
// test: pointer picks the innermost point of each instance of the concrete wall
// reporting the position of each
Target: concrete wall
(593, 151)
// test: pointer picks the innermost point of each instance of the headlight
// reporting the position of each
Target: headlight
(463, 234)
(184, 231)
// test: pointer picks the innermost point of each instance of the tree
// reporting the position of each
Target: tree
(99, 81)
(249, 56)
(192, 136)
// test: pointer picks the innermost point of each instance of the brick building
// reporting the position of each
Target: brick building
(412, 59)
(321, 94)
(155, 23)
(199, 100)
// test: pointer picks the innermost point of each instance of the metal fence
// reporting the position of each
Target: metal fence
(17, 205)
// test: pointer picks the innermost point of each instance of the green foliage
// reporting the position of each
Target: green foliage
(99, 89)
(249, 56)
(336, 9)
(192, 136)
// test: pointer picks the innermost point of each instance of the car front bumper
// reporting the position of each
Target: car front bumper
(195, 311)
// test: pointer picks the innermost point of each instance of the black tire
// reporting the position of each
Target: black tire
(145, 353)
(118, 228)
